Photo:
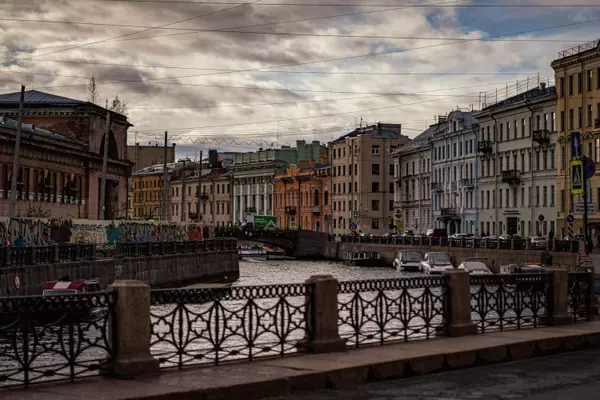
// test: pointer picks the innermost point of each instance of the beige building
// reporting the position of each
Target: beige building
(577, 77)
(146, 156)
(362, 179)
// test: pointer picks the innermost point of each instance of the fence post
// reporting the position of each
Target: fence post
(558, 295)
(76, 252)
(593, 314)
(130, 330)
(322, 316)
(458, 321)
(30, 255)
(55, 253)
(93, 251)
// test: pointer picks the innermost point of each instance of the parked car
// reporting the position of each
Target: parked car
(436, 233)
(436, 263)
(408, 260)
(476, 266)
(537, 242)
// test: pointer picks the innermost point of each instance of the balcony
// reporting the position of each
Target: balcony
(484, 146)
(449, 212)
(290, 210)
(511, 176)
(204, 196)
(468, 183)
(315, 209)
(437, 187)
(250, 209)
(541, 136)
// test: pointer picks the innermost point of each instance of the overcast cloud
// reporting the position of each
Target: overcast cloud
(182, 80)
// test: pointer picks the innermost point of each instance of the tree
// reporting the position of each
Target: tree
(37, 211)
(118, 106)
(93, 91)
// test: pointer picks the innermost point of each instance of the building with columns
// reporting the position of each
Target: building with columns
(362, 179)
(254, 173)
(577, 76)
(454, 174)
(517, 164)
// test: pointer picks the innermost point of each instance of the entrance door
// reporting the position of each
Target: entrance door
(511, 225)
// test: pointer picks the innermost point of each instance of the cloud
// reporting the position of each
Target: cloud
(165, 100)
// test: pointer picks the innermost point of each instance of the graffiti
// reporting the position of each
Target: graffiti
(24, 232)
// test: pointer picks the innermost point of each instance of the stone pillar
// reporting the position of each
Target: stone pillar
(593, 314)
(55, 253)
(558, 297)
(130, 330)
(512, 243)
(458, 320)
(322, 316)
(93, 251)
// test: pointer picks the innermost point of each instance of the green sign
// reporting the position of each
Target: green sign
(267, 222)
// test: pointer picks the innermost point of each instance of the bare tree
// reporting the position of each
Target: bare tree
(93, 91)
(118, 106)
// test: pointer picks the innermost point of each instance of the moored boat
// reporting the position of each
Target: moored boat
(362, 258)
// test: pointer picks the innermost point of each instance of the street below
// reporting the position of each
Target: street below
(562, 377)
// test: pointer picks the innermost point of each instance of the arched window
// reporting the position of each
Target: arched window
(113, 150)
(316, 197)
(325, 195)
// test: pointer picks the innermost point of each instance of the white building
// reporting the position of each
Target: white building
(412, 197)
(454, 174)
(517, 171)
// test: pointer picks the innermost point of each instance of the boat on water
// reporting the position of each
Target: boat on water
(362, 258)
(252, 252)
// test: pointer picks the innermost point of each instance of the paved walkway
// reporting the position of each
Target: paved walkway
(283, 376)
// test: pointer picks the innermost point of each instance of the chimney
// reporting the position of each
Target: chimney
(213, 158)
(543, 86)
(441, 119)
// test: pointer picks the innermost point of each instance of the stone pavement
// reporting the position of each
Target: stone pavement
(309, 372)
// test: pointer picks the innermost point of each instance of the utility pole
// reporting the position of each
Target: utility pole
(15, 174)
(164, 212)
(104, 166)
(199, 187)
(183, 193)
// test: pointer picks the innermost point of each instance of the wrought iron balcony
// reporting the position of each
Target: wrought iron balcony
(542, 136)
(484, 146)
(437, 186)
(511, 176)
(291, 210)
(468, 183)
(449, 211)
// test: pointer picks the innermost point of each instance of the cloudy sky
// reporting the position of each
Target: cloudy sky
(237, 75)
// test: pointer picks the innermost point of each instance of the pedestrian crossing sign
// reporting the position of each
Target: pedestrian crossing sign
(577, 176)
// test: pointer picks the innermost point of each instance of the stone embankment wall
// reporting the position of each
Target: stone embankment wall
(157, 270)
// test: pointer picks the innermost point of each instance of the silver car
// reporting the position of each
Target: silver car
(538, 242)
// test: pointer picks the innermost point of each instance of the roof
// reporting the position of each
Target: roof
(424, 137)
(156, 169)
(381, 131)
(11, 124)
(38, 98)
(529, 95)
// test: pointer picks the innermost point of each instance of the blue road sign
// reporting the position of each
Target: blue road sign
(352, 225)
(576, 144)
(589, 167)
(570, 218)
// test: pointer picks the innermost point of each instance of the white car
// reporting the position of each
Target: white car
(538, 242)
(475, 267)
(436, 263)
(408, 260)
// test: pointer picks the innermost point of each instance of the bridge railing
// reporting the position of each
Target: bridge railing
(70, 337)
(565, 246)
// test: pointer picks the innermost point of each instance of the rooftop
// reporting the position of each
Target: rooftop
(594, 44)
(38, 98)
(157, 169)
(531, 94)
(424, 137)
(31, 129)
(380, 131)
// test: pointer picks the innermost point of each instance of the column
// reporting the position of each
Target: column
(266, 198)
(459, 321)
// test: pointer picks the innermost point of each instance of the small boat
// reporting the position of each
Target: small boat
(362, 258)
(251, 252)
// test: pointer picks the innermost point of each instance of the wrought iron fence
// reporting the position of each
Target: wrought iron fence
(500, 302)
(46, 339)
(580, 295)
(379, 311)
(211, 326)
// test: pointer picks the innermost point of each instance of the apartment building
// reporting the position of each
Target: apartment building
(577, 75)
(517, 164)
(454, 174)
(412, 176)
(362, 178)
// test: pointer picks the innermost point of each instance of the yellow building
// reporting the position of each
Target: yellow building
(577, 76)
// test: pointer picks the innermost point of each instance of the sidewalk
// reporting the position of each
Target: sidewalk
(275, 377)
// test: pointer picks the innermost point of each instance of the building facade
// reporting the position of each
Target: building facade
(64, 177)
(577, 75)
(301, 196)
(454, 174)
(253, 175)
(146, 156)
(517, 164)
(412, 176)
(362, 178)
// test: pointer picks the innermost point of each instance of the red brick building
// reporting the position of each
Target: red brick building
(61, 157)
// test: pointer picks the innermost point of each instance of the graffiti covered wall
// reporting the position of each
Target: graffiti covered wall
(23, 232)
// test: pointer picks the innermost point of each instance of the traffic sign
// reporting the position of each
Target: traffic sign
(589, 167)
(576, 176)
(570, 218)
(352, 225)
(576, 144)
(579, 208)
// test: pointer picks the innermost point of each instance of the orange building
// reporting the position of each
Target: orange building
(302, 200)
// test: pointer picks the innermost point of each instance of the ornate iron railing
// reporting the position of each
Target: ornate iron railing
(379, 311)
(580, 295)
(46, 339)
(212, 326)
(500, 302)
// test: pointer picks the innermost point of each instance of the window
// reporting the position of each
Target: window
(523, 162)
(375, 205)
(516, 129)
(537, 195)
(570, 85)
(391, 169)
(562, 86)
(579, 117)
(552, 161)
(571, 118)
(391, 187)
(589, 115)
(522, 197)
(545, 159)
(562, 121)
(375, 169)
(552, 195)
(391, 205)
(562, 200)
(375, 149)
(501, 132)
(523, 125)
(589, 80)
(545, 194)
(579, 82)
(507, 198)
(374, 223)
(454, 150)
(487, 198)
(508, 131)
(552, 121)
(375, 187)
(500, 199)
